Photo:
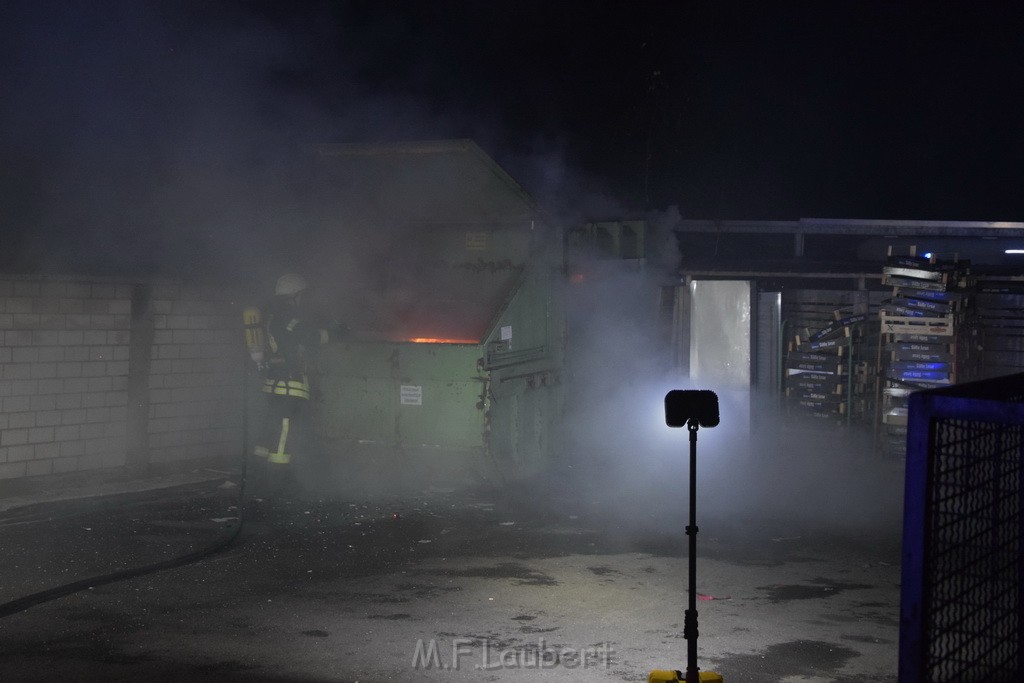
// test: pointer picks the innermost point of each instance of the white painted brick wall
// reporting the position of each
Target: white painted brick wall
(55, 340)
(195, 375)
(64, 363)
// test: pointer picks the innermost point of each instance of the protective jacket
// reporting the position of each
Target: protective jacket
(290, 340)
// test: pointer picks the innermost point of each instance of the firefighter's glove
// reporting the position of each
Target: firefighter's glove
(336, 331)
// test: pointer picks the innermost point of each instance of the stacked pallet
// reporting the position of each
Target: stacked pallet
(923, 329)
(827, 365)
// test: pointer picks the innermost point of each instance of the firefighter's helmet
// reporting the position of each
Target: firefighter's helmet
(290, 284)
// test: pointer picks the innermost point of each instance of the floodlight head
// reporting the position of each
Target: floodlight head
(699, 405)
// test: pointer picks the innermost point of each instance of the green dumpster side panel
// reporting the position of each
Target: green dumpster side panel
(525, 374)
(403, 395)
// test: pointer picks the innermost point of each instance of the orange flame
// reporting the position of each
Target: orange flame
(434, 340)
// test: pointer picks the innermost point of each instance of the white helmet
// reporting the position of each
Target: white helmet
(290, 284)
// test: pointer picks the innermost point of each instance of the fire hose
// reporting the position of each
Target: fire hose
(22, 604)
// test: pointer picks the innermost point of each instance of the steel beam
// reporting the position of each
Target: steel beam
(884, 228)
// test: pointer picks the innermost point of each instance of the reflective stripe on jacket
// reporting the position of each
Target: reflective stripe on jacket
(298, 388)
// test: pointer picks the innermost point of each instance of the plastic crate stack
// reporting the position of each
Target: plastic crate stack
(824, 377)
(922, 336)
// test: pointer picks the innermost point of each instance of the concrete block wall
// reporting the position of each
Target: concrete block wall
(67, 359)
(195, 374)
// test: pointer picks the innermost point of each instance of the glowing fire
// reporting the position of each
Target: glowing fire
(435, 340)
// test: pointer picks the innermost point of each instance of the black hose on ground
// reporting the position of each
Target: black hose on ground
(22, 604)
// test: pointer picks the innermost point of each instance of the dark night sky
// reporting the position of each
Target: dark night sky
(138, 128)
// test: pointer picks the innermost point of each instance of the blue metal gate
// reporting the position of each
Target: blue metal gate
(961, 611)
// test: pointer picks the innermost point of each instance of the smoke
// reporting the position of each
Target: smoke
(168, 136)
(762, 468)
(131, 125)
(149, 136)
(783, 477)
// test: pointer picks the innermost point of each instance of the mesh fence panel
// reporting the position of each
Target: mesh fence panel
(961, 604)
(972, 621)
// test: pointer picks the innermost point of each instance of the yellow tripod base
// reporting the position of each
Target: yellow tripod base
(671, 676)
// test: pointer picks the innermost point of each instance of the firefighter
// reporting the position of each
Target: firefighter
(291, 342)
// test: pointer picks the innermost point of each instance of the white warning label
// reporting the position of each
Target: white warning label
(476, 241)
(411, 395)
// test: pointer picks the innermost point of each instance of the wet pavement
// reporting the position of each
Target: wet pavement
(436, 586)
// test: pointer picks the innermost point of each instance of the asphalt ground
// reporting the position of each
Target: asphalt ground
(544, 582)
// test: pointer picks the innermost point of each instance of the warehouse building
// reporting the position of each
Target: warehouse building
(841, 319)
